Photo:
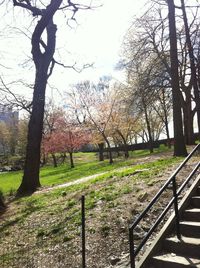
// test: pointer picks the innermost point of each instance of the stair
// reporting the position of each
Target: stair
(171, 260)
(185, 252)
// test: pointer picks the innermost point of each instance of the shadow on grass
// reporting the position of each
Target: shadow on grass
(29, 208)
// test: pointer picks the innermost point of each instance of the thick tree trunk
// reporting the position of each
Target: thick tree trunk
(188, 122)
(179, 142)
(30, 181)
(71, 160)
(101, 156)
(192, 66)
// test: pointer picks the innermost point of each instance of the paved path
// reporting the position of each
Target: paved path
(67, 184)
(82, 180)
(85, 179)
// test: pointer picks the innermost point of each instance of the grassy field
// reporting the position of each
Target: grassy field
(86, 164)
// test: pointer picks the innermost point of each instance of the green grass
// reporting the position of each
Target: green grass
(107, 192)
(86, 164)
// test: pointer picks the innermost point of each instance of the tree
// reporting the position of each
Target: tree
(144, 89)
(22, 136)
(179, 142)
(43, 58)
(124, 120)
(95, 105)
(51, 119)
(151, 37)
(4, 138)
(194, 81)
(98, 140)
(65, 136)
(163, 108)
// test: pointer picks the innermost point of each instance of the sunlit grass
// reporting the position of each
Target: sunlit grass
(86, 164)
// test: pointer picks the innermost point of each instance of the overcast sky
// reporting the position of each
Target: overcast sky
(97, 39)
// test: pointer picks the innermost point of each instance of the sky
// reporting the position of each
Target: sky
(96, 39)
(99, 37)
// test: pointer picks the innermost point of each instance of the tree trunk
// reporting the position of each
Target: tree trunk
(188, 121)
(148, 129)
(167, 134)
(192, 66)
(42, 60)
(44, 160)
(63, 157)
(101, 156)
(110, 155)
(54, 160)
(109, 148)
(30, 181)
(126, 154)
(2, 205)
(71, 160)
(179, 142)
(166, 119)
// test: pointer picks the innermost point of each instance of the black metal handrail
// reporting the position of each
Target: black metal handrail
(172, 180)
(83, 231)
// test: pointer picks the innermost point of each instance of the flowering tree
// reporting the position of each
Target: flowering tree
(66, 136)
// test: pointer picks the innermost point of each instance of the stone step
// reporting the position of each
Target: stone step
(198, 191)
(192, 214)
(195, 201)
(172, 260)
(186, 246)
(190, 228)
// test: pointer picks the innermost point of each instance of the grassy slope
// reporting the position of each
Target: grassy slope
(53, 218)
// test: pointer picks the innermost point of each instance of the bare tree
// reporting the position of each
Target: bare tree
(194, 81)
(96, 107)
(43, 50)
(179, 142)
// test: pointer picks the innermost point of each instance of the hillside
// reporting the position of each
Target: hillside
(43, 230)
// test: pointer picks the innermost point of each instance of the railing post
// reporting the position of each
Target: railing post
(83, 231)
(131, 247)
(178, 233)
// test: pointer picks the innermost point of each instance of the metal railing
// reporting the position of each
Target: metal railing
(83, 231)
(174, 201)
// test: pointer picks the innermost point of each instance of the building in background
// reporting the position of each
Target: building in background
(8, 116)
(8, 130)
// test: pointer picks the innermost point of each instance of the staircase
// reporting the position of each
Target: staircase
(178, 243)
(183, 252)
